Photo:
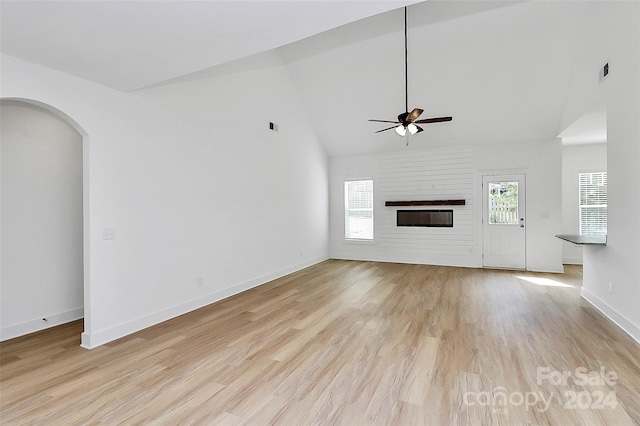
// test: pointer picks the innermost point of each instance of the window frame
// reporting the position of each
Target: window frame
(346, 209)
(581, 206)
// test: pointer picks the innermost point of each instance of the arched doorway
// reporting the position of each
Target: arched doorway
(44, 244)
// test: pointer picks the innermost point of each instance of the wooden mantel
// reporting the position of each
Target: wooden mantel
(424, 203)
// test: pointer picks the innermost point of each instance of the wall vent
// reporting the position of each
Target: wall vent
(604, 71)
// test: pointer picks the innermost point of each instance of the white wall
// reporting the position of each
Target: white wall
(539, 160)
(617, 262)
(195, 186)
(427, 175)
(421, 175)
(575, 160)
(42, 275)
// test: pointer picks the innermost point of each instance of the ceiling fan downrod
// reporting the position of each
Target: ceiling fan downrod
(406, 67)
(408, 121)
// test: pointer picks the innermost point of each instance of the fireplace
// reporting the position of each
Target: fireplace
(425, 218)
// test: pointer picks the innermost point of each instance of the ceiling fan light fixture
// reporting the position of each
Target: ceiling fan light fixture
(407, 119)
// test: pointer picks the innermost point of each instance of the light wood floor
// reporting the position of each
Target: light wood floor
(345, 343)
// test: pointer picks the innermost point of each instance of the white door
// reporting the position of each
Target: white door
(503, 221)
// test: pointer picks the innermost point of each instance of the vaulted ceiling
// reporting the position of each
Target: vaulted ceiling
(501, 69)
(128, 45)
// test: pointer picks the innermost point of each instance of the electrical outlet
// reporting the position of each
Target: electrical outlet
(200, 281)
(610, 287)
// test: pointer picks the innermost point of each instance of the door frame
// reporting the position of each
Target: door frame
(520, 175)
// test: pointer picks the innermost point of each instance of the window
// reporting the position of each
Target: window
(593, 203)
(358, 210)
(503, 203)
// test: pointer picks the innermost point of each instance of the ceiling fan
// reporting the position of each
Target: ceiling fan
(407, 121)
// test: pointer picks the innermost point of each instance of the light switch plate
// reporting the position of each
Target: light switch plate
(109, 234)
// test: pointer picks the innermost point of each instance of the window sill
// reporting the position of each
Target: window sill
(357, 241)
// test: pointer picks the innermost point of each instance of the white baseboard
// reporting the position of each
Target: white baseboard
(627, 326)
(572, 260)
(555, 269)
(386, 259)
(95, 339)
(550, 270)
(38, 324)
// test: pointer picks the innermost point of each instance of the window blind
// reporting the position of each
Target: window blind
(593, 203)
(358, 209)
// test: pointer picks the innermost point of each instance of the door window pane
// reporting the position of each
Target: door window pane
(503, 203)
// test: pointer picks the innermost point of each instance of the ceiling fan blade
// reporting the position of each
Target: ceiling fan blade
(419, 129)
(388, 128)
(385, 121)
(414, 114)
(434, 120)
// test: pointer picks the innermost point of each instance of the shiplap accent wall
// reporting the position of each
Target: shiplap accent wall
(435, 174)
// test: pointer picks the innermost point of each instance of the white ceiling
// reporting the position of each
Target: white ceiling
(502, 69)
(128, 45)
(591, 127)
